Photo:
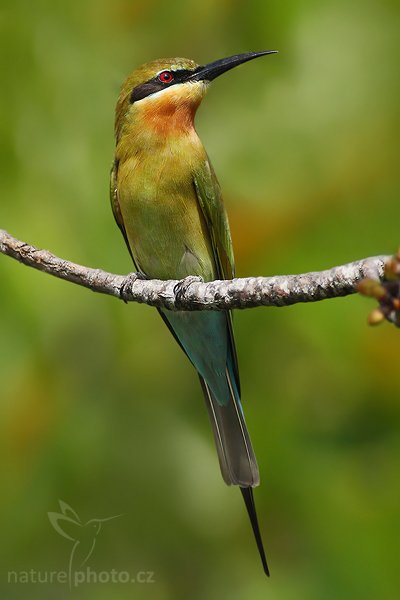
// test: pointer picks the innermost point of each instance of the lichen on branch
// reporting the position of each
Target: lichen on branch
(194, 294)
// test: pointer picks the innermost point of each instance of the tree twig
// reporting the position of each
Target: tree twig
(193, 294)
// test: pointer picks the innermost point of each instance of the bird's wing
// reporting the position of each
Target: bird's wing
(115, 204)
(209, 196)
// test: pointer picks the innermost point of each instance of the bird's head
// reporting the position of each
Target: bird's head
(166, 93)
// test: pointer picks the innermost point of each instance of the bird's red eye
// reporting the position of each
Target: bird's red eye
(165, 77)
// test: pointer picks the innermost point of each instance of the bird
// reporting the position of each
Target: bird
(167, 202)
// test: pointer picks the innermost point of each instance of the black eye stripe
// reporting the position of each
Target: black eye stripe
(155, 85)
(145, 89)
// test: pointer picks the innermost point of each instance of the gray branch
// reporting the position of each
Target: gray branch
(194, 294)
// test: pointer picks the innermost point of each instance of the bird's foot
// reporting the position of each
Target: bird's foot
(182, 287)
(127, 285)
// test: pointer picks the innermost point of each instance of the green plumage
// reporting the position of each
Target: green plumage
(167, 202)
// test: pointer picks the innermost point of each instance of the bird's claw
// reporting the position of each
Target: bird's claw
(181, 288)
(127, 285)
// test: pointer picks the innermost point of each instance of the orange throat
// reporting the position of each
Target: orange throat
(166, 117)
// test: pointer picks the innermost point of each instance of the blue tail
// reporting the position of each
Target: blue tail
(205, 337)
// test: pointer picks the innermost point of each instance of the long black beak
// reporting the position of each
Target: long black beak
(216, 68)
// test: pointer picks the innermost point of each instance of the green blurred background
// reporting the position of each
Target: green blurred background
(98, 406)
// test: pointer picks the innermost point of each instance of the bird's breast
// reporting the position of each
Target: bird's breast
(162, 217)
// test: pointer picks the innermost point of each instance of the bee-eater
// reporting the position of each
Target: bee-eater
(167, 202)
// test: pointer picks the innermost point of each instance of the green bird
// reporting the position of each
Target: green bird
(167, 202)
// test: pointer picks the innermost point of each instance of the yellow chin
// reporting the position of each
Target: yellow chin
(175, 97)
